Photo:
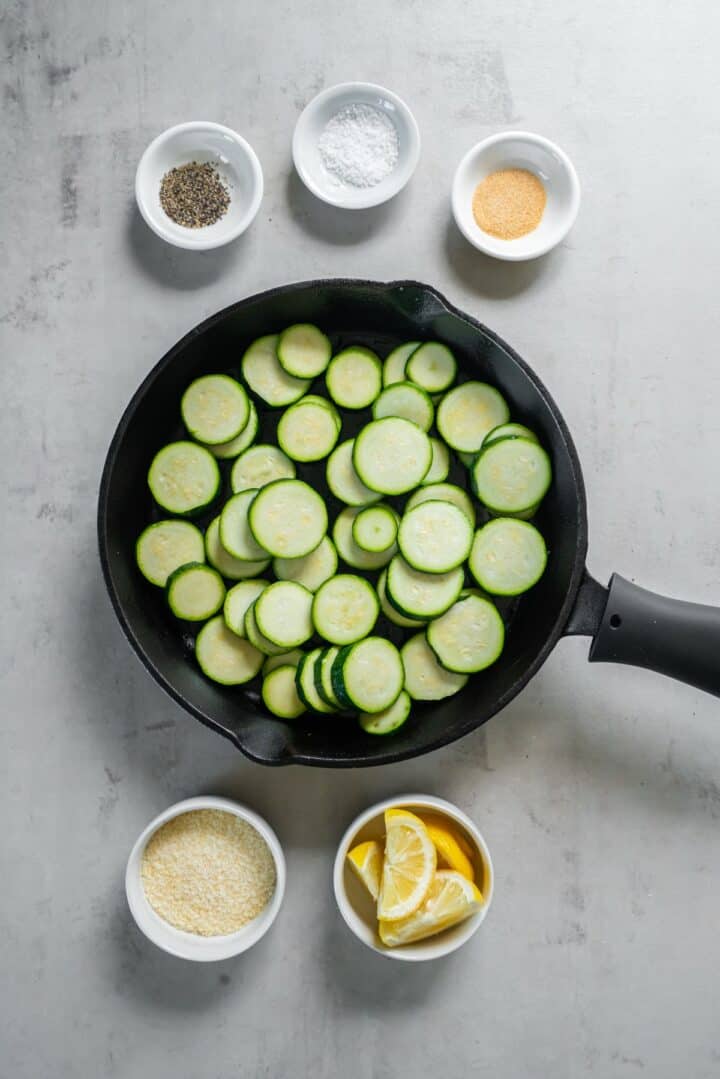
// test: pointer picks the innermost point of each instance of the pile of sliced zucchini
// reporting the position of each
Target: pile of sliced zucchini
(291, 589)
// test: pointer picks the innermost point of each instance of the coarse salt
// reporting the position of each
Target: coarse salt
(359, 146)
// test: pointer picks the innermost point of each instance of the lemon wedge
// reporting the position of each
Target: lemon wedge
(451, 899)
(409, 865)
(453, 850)
(366, 861)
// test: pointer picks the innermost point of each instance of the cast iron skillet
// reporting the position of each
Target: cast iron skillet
(627, 624)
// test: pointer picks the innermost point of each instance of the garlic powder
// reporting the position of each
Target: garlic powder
(208, 872)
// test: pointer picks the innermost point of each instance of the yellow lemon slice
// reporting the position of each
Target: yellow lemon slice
(454, 851)
(409, 864)
(451, 899)
(366, 862)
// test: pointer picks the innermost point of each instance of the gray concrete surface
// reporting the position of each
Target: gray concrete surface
(598, 789)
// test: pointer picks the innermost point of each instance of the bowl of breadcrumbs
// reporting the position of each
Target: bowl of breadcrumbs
(206, 879)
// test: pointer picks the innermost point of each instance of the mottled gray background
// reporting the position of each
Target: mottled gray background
(598, 789)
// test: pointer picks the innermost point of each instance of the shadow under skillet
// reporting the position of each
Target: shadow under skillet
(176, 267)
(331, 224)
(492, 277)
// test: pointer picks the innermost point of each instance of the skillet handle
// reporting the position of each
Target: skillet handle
(631, 625)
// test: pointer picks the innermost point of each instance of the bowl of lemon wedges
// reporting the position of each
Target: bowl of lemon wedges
(413, 878)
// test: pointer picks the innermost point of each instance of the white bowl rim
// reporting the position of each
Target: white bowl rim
(476, 237)
(193, 242)
(402, 173)
(433, 947)
(239, 941)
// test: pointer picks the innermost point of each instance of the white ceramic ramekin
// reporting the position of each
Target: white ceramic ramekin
(236, 163)
(189, 945)
(358, 910)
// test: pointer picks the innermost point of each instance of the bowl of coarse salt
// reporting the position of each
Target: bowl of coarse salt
(356, 145)
(206, 879)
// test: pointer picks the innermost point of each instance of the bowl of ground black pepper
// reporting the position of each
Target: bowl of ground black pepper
(515, 196)
(199, 185)
(205, 880)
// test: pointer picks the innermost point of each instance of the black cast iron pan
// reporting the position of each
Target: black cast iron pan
(626, 623)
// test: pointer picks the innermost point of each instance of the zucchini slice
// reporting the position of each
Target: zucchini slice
(229, 567)
(348, 549)
(375, 528)
(512, 475)
(195, 592)
(425, 679)
(235, 446)
(435, 537)
(165, 546)
(392, 455)
(235, 534)
(266, 378)
(345, 609)
(443, 492)
(303, 350)
(237, 601)
(396, 361)
(279, 693)
(323, 675)
(389, 719)
(469, 637)
(308, 430)
(421, 595)
(467, 413)
(354, 377)
(224, 657)
(184, 478)
(407, 401)
(509, 430)
(260, 465)
(288, 518)
(284, 659)
(391, 612)
(313, 569)
(432, 366)
(305, 683)
(368, 675)
(258, 639)
(283, 613)
(215, 409)
(343, 480)
(507, 556)
(440, 466)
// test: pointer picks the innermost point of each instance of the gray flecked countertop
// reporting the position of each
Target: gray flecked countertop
(599, 789)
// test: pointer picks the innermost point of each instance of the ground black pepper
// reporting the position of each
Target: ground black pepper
(193, 195)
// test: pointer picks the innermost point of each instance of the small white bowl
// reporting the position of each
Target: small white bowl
(358, 909)
(189, 945)
(519, 150)
(235, 161)
(311, 123)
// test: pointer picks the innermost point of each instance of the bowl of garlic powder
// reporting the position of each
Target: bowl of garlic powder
(356, 145)
(515, 195)
(205, 880)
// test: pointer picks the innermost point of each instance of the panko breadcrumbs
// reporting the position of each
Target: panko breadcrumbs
(208, 872)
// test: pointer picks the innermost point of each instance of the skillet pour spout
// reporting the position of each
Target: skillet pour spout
(627, 624)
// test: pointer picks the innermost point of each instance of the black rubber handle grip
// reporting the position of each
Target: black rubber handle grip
(681, 640)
